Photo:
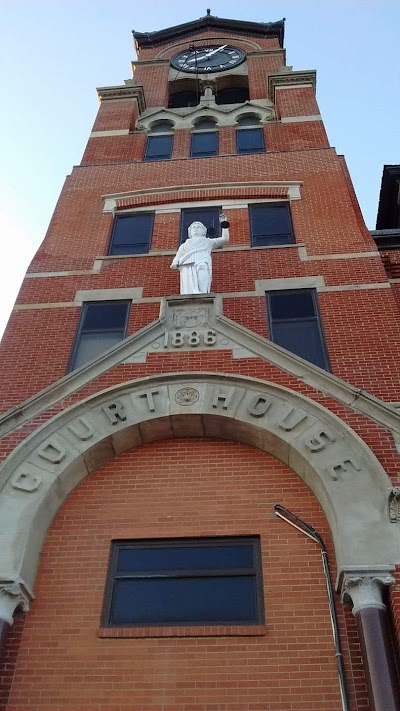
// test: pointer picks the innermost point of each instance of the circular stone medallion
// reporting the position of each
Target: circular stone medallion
(187, 396)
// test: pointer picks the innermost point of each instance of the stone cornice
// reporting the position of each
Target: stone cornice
(124, 91)
(321, 380)
(210, 22)
(290, 78)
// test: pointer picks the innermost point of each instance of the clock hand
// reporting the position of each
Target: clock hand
(214, 51)
(206, 56)
(196, 59)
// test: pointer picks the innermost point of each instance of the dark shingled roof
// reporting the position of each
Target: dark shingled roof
(257, 29)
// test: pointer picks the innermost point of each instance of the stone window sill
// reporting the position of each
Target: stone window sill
(194, 631)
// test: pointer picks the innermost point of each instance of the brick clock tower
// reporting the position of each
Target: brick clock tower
(174, 463)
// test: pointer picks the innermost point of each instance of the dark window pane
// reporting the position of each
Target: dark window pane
(158, 147)
(211, 600)
(270, 219)
(208, 216)
(294, 325)
(294, 304)
(161, 126)
(132, 234)
(302, 338)
(103, 317)
(91, 344)
(232, 95)
(204, 144)
(204, 124)
(102, 325)
(271, 224)
(185, 558)
(183, 99)
(250, 140)
(248, 120)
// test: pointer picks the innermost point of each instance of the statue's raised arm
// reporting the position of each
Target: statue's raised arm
(193, 258)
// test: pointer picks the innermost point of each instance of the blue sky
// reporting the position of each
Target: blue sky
(54, 54)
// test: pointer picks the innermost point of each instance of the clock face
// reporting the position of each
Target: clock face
(206, 60)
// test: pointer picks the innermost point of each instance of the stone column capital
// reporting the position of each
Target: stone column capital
(363, 588)
(14, 593)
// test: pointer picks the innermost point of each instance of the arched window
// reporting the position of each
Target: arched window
(162, 127)
(204, 138)
(159, 147)
(249, 138)
(205, 124)
(248, 120)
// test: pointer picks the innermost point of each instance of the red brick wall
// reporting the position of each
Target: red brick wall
(166, 490)
(116, 114)
(259, 69)
(325, 218)
(9, 659)
(278, 137)
(296, 101)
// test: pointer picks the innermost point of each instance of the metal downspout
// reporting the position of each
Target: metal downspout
(303, 527)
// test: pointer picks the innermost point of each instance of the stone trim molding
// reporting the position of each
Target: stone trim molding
(305, 257)
(97, 264)
(261, 287)
(364, 588)
(224, 114)
(313, 282)
(14, 593)
(289, 189)
(324, 451)
(115, 132)
(294, 85)
(82, 295)
(290, 80)
(356, 399)
(237, 204)
(299, 119)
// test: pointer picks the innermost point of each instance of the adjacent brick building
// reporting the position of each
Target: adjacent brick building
(148, 436)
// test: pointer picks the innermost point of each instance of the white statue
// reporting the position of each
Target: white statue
(193, 258)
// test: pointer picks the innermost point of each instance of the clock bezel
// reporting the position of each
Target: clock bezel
(213, 70)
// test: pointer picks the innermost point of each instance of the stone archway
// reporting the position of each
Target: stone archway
(334, 462)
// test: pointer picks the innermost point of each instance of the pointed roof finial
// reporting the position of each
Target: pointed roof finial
(208, 12)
